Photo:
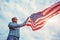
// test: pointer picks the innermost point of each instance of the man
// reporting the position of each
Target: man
(14, 29)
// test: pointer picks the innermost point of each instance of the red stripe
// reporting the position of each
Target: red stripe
(53, 14)
(41, 23)
(48, 10)
(37, 28)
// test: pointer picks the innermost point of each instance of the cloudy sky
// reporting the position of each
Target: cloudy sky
(22, 9)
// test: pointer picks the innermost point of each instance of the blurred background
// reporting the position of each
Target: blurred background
(23, 9)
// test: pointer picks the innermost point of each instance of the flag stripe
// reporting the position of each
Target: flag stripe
(49, 9)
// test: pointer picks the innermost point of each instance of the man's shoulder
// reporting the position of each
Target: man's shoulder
(10, 22)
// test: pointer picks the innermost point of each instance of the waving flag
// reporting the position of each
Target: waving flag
(38, 20)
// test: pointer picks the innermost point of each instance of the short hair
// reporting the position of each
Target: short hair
(14, 18)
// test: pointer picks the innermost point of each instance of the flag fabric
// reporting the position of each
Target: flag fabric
(38, 20)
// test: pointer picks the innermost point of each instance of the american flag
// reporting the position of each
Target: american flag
(38, 20)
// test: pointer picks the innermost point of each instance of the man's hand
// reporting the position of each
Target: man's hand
(25, 21)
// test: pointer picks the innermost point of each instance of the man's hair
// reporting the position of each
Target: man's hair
(14, 18)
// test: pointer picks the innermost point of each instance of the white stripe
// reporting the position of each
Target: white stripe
(51, 7)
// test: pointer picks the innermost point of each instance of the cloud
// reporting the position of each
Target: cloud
(24, 8)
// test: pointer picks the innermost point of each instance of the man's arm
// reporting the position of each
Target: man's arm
(12, 26)
(24, 23)
(16, 26)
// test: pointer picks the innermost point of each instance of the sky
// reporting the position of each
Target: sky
(23, 9)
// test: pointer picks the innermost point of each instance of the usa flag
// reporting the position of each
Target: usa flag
(38, 20)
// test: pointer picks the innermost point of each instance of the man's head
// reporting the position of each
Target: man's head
(14, 19)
